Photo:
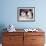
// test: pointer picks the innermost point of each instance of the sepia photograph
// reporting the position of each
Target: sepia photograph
(26, 14)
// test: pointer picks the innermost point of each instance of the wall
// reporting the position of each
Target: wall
(9, 13)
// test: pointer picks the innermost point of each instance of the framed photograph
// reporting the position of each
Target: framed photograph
(25, 14)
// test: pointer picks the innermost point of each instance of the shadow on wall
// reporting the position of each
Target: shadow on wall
(2, 26)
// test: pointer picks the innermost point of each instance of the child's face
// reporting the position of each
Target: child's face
(23, 13)
(29, 13)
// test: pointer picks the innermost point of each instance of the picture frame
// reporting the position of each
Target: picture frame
(26, 14)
